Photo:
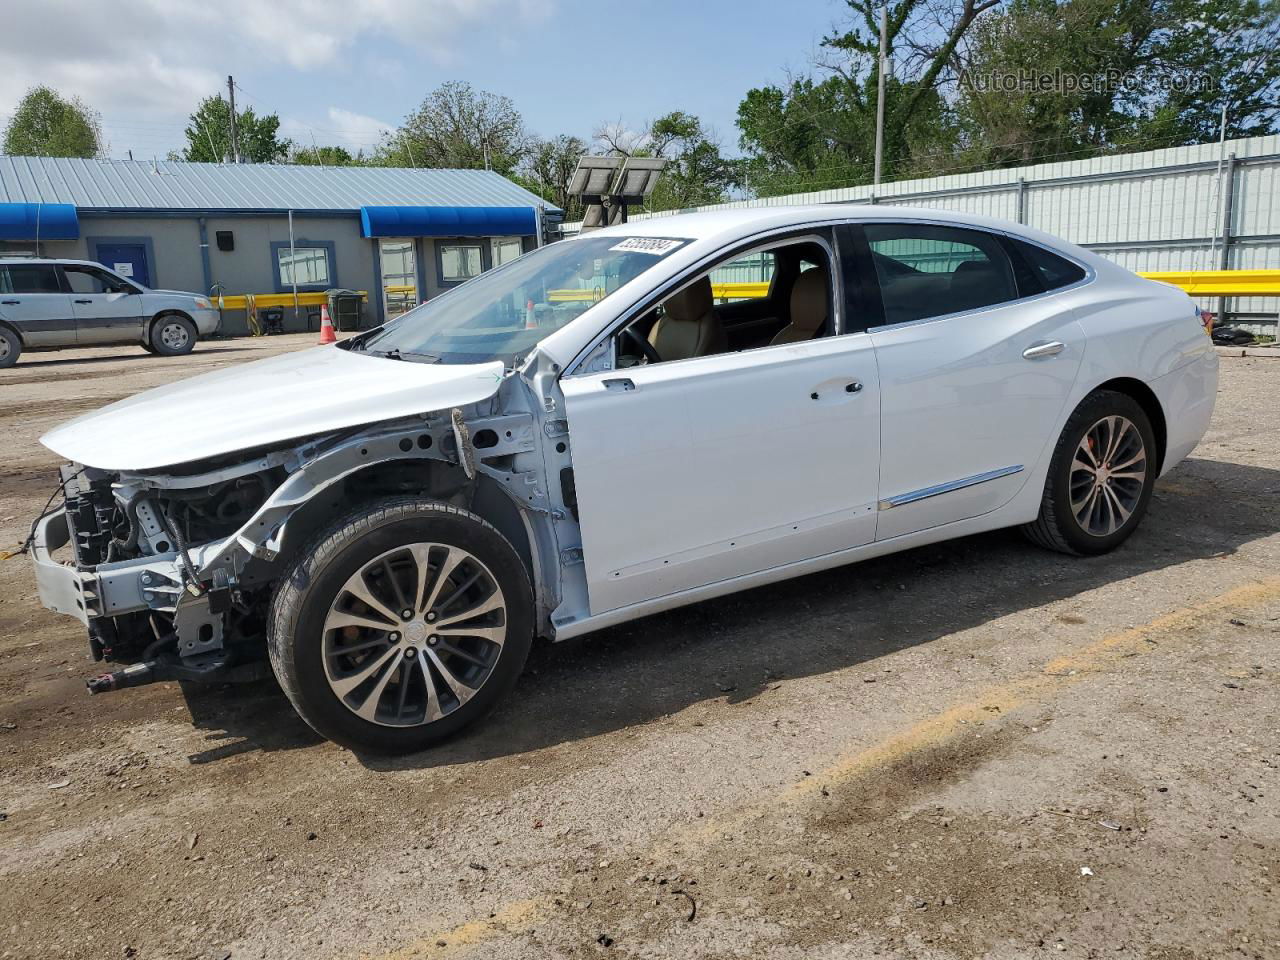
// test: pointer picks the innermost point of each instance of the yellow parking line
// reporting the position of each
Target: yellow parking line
(1060, 672)
(927, 733)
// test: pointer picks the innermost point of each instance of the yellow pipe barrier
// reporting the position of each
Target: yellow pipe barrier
(1198, 283)
(1221, 283)
(261, 300)
(720, 291)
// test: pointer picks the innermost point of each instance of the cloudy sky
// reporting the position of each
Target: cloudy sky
(341, 71)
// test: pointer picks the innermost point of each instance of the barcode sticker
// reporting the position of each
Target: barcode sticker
(653, 245)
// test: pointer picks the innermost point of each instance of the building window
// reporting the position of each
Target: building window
(459, 261)
(506, 249)
(310, 264)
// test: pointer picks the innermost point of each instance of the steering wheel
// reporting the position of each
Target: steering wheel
(642, 344)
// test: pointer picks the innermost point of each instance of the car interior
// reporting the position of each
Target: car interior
(694, 322)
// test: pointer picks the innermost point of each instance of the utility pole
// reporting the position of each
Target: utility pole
(884, 43)
(235, 138)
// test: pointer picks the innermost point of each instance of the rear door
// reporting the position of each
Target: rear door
(107, 308)
(975, 372)
(32, 301)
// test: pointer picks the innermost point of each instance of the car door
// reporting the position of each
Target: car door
(32, 301)
(108, 309)
(694, 471)
(974, 375)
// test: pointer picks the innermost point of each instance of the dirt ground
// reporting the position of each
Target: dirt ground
(977, 749)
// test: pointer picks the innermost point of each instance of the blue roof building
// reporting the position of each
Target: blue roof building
(402, 234)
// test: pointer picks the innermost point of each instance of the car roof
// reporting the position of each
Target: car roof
(47, 260)
(727, 225)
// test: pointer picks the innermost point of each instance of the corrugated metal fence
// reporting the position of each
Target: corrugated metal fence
(1205, 207)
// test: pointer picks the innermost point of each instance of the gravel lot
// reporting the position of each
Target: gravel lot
(973, 749)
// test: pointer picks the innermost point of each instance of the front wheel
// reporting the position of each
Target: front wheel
(172, 336)
(1100, 479)
(403, 623)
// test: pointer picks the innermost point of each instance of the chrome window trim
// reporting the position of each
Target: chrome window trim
(924, 493)
(758, 242)
(1089, 273)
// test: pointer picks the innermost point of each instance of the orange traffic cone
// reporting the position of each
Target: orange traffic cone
(326, 326)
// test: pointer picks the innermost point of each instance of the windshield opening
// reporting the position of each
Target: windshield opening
(502, 314)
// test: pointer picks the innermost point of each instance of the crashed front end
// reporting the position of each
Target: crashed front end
(172, 573)
(118, 556)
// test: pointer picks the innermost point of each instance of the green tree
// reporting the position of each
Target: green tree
(209, 135)
(459, 127)
(1139, 77)
(819, 130)
(548, 168)
(326, 157)
(47, 124)
(696, 173)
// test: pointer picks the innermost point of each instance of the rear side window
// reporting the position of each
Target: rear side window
(32, 278)
(1052, 270)
(928, 271)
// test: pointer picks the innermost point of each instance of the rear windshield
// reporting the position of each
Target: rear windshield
(502, 314)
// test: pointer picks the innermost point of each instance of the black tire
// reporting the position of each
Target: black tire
(302, 601)
(10, 347)
(172, 336)
(1057, 527)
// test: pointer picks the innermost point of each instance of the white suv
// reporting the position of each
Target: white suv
(75, 303)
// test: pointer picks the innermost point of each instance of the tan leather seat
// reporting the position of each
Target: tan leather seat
(808, 308)
(689, 326)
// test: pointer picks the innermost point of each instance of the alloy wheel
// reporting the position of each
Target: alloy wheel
(414, 634)
(1108, 474)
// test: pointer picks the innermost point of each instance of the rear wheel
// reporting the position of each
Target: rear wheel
(403, 623)
(172, 336)
(1100, 479)
(10, 347)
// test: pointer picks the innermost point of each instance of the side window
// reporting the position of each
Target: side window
(795, 277)
(34, 278)
(927, 271)
(1052, 270)
(745, 278)
(5, 285)
(89, 280)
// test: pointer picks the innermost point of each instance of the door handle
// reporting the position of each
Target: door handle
(84, 301)
(10, 303)
(622, 383)
(853, 386)
(1039, 351)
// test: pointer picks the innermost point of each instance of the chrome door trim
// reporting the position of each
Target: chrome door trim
(950, 486)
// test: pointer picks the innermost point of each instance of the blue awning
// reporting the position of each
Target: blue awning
(448, 221)
(38, 221)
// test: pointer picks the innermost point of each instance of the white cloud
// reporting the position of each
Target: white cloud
(153, 59)
(343, 128)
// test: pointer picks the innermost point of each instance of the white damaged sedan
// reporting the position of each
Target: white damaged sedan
(639, 418)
